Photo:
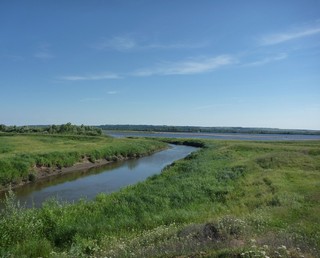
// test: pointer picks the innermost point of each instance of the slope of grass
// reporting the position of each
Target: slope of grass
(20, 155)
(230, 199)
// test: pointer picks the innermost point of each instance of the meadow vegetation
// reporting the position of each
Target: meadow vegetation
(229, 199)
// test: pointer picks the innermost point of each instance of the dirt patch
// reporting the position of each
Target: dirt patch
(202, 232)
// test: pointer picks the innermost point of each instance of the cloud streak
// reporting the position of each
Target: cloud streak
(279, 38)
(186, 67)
(127, 43)
(267, 60)
(92, 77)
(194, 66)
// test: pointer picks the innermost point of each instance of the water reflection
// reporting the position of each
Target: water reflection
(132, 164)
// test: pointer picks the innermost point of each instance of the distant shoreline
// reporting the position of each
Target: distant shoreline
(207, 130)
(218, 136)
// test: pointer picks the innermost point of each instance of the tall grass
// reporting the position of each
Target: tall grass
(239, 199)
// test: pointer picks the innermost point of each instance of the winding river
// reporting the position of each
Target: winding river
(109, 178)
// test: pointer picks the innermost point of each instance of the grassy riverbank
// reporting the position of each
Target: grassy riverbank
(230, 199)
(25, 158)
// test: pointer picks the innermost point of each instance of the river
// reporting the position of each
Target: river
(221, 136)
(106, 179)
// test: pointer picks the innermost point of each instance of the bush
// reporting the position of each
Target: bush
(32, 177)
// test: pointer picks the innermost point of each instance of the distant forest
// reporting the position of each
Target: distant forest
(199, 129)
(68, 128)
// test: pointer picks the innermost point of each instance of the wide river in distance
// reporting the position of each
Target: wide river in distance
(107, 179)
(218, 136)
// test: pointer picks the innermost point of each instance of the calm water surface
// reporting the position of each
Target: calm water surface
(106, 179)
(221, 136)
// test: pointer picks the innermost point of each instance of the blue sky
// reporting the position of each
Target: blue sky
(180, 62)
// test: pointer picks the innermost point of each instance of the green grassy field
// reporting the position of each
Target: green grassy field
(229, 199)
(21, 155)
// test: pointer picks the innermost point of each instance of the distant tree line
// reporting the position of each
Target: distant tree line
(67, 128)
(200, 129)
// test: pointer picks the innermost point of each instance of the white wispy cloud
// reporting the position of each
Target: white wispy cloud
(125, 43)
(112, 92)
(273, 39)
(267, 60)
(175, 45)
(90, 77)
(193, 66)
